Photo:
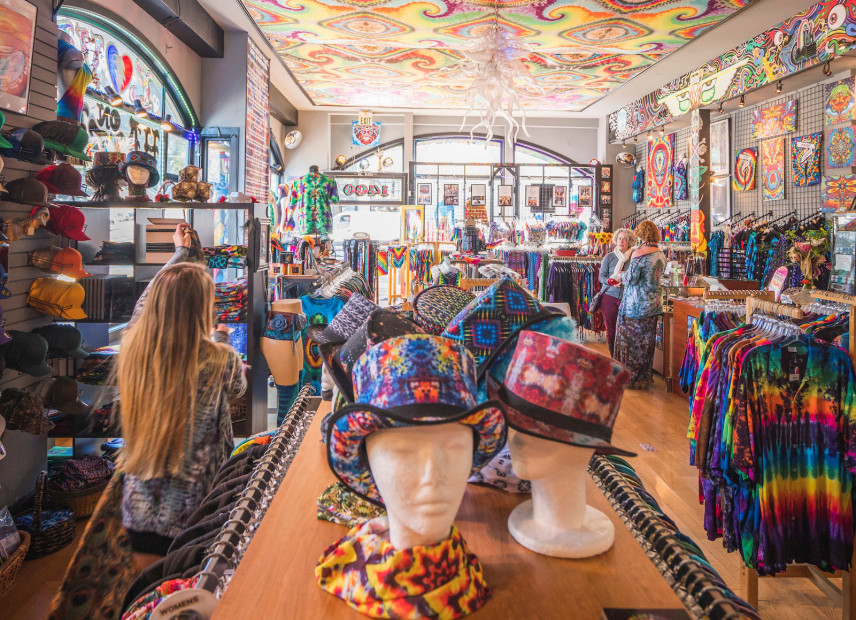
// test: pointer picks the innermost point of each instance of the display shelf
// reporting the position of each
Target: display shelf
(122, 204)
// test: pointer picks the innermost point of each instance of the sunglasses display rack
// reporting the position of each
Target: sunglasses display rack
(682, 563)
(228, 548)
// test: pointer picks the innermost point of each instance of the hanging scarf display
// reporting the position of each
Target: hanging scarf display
(397, 256)
(438, 581)
(382, 263)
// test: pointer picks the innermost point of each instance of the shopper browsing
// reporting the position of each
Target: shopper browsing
(611, 269)
(175, 385)
(641, 307)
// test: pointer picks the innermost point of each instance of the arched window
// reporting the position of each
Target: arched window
(388, 157)
(457, 149)
(527, 153)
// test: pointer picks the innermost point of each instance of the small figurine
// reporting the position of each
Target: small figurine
(189, 187)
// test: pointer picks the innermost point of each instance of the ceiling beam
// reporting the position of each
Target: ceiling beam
(190, 22)
(281, 108)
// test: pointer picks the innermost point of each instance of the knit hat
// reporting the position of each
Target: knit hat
(436, 306)
(345, 323)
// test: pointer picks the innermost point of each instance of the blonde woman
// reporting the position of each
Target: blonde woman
(611, 269)
(641, 307)
(175, 385)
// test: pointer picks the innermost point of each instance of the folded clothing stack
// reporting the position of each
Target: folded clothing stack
(115, 253)
(226, 256)
(96, 368)
(230, 301)
(82, 473)
(109, 298)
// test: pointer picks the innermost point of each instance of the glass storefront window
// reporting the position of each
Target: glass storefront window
(458, 150)
(374, 160)
(217, 156)
(177, 153)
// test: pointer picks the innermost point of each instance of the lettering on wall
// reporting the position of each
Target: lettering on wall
(111, 129)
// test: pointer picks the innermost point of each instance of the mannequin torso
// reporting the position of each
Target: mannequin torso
(284, 357)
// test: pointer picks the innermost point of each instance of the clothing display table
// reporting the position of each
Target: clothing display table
(276, 577)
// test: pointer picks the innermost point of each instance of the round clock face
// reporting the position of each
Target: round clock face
(293, 139)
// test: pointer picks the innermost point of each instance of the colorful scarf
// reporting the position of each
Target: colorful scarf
(382, 263)
(440, 581)
(340, 505)
(70, 105)
(397, 256)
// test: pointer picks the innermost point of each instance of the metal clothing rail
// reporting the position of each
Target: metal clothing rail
(235, 535)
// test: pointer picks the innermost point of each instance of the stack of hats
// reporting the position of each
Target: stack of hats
(189, 187)
(64, 138)
(63, 261)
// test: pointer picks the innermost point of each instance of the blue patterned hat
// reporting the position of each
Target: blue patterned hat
(491, 322)
(141, 158)
(412, 380)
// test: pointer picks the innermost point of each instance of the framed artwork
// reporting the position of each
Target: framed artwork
(533, 196)
(840, 148)
(606, 216)
(504, 195)
(774, 120)
(365, 134)
(839, 102)
(560, 196)
(773, 168)
(606, 199)
(838, 193)
(606, 187)
(17, 38)
(720, 199)
(661, 153)
(412, 223)
(606, 172)
(423, 193)
(584, 194)
(805, 159)
(478, 195)
(450, 194)
(744, 170)
(261, 244)
(719, 148)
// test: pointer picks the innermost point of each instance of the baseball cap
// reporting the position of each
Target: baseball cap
(68, 221)
(57, 298)
(26, 352)
(63, 340)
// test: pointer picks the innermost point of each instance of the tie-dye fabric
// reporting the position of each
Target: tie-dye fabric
(310, 198)
(443, 581)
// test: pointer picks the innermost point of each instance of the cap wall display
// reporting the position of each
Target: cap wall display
(26, 352)
(63, 340)
(26, 145)
(64, 395)
(28, 191)
(62, 179)
(57, 298)
(65, 138)
(68, 221)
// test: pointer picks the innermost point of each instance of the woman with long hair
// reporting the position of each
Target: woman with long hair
(611, 269)
(175, 385)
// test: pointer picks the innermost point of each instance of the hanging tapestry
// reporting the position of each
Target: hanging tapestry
(365, 135)
(840, 102)
(840, 148)
(774, 120)
(838, 193)
(805, 159)
(382, 263)
(773, 168)
(660, 156)
(681, 179)
(744, 170)
(398, 256)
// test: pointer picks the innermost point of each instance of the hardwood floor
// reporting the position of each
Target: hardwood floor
(651, 417)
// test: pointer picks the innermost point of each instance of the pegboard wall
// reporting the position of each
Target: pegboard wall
(805, 200)
(682, 140)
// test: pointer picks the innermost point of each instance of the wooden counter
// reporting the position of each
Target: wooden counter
(683, 313)
(276, 577)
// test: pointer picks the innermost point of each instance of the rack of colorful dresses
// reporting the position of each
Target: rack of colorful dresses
(771, 436)
(574, 280)
(362, 256)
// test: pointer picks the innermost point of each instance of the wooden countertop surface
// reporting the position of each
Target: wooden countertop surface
(276, 577)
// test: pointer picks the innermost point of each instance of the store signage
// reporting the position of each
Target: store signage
(362, 189)
(367, 188)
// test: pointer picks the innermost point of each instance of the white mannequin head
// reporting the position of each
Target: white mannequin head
(421, 473)
(138, 175)
(536, 458)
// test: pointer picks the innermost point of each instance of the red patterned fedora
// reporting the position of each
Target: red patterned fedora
(561, 391)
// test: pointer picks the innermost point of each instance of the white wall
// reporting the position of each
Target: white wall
(315, 147)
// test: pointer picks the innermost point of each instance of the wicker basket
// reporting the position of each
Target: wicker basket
(47, 538)
(82, 502)
(10, 568)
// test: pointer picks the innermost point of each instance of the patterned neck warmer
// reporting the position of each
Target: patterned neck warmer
(440, 581)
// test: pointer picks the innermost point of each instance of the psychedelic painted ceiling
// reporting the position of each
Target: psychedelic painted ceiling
(398, 53)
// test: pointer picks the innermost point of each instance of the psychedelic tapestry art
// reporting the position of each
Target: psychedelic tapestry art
(744, 170)
(773, 168)
(838, 193)
(660, 161)
(774, 120)
(805, 159)
(840, 103)
(840, 147)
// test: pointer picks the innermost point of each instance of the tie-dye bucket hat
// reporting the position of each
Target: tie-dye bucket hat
(412, 380)
(436, 306)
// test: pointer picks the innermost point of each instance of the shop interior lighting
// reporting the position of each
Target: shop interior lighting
(139, 110)
(662, 130)
(650, 137)
(166, 124)
(635, 139)
(721, 108)
(742, 100)
(113, 97)
(827, 70)
(779, 87)
(623, 143)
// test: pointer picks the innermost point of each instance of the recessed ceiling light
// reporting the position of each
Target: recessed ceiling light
(742, 100)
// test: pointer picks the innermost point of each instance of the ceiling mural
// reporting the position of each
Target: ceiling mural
(400, 53)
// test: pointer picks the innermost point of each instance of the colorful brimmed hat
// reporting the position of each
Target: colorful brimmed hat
(562, 391)
(436, 306)
(491, 322)
(412, 380)
(340, 358)
(141, 158)
(353, 314)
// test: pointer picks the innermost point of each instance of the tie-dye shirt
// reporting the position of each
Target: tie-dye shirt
(794, 420)
(643, 295)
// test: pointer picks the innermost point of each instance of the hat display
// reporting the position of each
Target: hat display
(28, 191)
(63, 340)
(24, 412)
(339, 358)
(68, 221)
(65, 261)
(562, 391)
(63, 179)
(432, 381)
(345, 323)
(26, 145)
(491, 322)
(435, 307)
(4, 280)
(57, 298)
(4, 143)
(141, 158)
(26, 352)
(64, 137)
(64, 395)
